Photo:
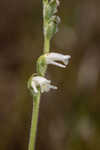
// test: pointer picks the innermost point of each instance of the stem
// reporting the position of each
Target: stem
(45, 23)
(34, 122)
(36, 100)
(46, 45)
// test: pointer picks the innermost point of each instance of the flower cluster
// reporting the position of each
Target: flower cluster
(39, 81)
(51, 21)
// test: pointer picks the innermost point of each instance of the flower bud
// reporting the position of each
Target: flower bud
(51, 30)
(49, 11)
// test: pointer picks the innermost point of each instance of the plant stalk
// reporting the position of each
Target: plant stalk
(46, 45)
(34, 122)
(36, 101)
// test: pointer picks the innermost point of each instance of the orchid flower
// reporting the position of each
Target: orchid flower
(54, 58)
(43, 83)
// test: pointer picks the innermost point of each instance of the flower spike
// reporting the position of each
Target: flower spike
(43, 83)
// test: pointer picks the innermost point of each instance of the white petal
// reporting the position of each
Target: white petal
(53, 87)
(66, 59)
(51, 58)
(48, 87)
(34, 87)
(57, 64)
(45, 85)
(57, 56)
(40, 80)
(54, 56)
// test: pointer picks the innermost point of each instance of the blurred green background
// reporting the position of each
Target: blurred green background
(69, 117)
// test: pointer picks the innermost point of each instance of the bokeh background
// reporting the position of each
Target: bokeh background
(69, 117)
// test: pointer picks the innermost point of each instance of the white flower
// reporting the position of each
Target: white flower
(43, 83)
(51, 58)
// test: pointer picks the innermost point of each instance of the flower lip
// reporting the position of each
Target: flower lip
(45, 85)
(54, 58)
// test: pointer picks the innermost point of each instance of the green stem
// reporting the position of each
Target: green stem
(34, 122)
(45, 24)
(36, 100)
(46, 45)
